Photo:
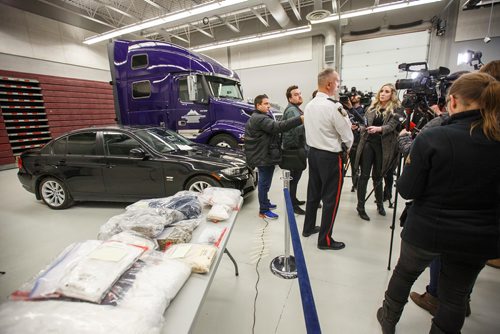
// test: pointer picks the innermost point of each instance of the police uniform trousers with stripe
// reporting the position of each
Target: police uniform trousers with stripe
(325, 184)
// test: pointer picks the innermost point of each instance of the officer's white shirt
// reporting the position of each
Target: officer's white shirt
(327, 125)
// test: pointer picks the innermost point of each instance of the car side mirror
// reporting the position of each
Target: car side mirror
(137, 153)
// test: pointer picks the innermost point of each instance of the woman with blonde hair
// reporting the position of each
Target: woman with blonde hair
(452, 174)
(377, 146)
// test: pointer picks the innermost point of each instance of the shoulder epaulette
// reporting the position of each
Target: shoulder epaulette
(340, 109)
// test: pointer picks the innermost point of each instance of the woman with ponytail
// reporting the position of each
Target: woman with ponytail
(453, 176)
(377, 146)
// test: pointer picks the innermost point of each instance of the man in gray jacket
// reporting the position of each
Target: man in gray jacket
(294, 139)
(263, 148)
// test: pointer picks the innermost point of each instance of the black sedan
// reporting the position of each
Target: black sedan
(125, 164)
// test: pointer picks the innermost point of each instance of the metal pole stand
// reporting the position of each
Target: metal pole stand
(284, 265)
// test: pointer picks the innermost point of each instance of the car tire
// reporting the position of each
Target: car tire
(223, 140)
(55, 194)
(199, 183)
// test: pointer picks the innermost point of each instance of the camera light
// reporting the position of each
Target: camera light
(463, 58)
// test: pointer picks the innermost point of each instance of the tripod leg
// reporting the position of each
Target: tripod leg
(393, 225)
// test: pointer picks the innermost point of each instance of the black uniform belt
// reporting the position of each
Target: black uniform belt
(317, 149)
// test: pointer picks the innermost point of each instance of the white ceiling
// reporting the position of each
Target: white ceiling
(253, 16)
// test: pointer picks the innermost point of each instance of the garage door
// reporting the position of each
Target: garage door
(368, 64)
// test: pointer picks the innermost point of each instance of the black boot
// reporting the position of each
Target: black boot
(362, 214)
(388, 315)
(380, 209)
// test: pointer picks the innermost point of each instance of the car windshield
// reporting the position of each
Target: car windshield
(163, 140)
(225, 88)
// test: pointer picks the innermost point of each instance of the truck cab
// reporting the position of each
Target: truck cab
(158, 83)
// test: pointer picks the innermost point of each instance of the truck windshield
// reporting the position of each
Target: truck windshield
(224, 88)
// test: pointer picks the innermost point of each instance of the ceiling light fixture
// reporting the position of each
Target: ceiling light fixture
(253, 38)
(375, 9)
(214, 5)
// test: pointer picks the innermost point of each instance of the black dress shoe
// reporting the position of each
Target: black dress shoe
(334, 245)
(362, 214)
(298, 210)
(314, 231)
(353, 189)
(300, 202)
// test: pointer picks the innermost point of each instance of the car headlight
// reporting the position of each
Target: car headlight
(234, 171)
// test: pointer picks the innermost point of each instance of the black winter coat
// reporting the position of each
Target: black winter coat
(453, 176)
(262, 138)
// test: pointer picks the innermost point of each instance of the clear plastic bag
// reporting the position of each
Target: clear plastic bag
(93, 275)
(144, 221)
(139, 305)
(45, 284)
(180, 232)
(224, 196)
(184, 202)
(210, 234)
(219, 212)
(135, 238)
(199, 257)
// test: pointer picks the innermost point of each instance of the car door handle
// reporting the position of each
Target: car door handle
(61, 163)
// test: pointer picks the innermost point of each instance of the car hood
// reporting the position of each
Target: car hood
(215, 156)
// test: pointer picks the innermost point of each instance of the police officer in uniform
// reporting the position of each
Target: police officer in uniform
(328, 134)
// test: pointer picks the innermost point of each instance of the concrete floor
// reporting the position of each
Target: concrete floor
(348, 285)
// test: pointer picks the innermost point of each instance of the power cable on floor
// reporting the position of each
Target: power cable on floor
(258, 274)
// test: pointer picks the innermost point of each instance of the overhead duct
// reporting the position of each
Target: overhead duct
(278, 13)
(318, 13)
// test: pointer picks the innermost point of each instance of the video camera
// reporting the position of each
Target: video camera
(345, 95)
(426, 88)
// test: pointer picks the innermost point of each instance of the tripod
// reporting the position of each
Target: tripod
(393, 224)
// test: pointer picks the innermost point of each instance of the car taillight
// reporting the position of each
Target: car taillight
(19, 162)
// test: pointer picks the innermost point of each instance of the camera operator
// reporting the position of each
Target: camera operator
(405, 138)
(452, 175)
(356, 113)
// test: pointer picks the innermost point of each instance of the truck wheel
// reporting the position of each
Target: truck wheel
(224, 140)
(199, 183)
(55, 194)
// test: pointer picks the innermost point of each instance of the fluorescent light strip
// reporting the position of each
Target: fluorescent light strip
(376, 9)
(254, 38)
(161, 20)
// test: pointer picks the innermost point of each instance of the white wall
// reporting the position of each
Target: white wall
(34, 44)
(270, 67)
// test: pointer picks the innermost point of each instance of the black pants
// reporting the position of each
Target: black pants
(370, 157)
(389, 180)
(325, 184)
(456, 280)
(295, 175)
(354, 172)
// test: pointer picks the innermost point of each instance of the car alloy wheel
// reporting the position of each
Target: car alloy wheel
(199, 183)
(199, 186)
(54, 194)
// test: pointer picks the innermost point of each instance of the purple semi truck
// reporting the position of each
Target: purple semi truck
(158, 83)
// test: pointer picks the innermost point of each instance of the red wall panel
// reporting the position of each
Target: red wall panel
(69, 103)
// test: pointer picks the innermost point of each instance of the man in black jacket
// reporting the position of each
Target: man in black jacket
(294, 139)
(262, 148)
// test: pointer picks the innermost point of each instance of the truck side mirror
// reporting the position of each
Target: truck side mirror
(192, 86)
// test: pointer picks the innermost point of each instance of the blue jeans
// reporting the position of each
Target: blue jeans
(434, 267)
(264, 184)
(456, 279)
